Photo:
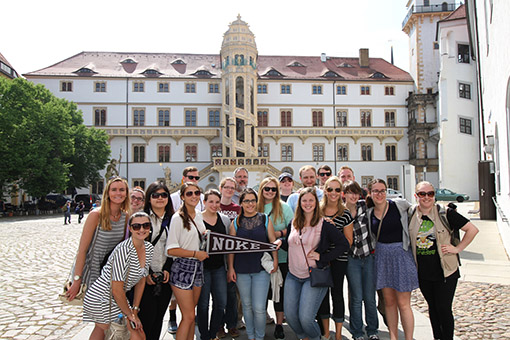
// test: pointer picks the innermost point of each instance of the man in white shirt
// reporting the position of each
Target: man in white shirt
(189, 174)
(308, 177)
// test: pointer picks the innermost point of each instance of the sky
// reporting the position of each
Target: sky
(36, 34)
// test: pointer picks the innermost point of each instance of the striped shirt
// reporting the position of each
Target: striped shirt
(340, 222)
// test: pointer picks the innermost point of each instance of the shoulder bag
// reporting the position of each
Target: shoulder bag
(319, 277)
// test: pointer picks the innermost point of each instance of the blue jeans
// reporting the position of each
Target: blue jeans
(360, 275)
(301, 304)
(215, 284)
(230, 317)
(253, 290)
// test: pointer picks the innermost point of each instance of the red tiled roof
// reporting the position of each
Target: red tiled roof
(108, 64)
(459, 13)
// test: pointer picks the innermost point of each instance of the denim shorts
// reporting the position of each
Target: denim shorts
(187, 273)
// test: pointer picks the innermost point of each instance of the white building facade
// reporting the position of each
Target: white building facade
(164, 112)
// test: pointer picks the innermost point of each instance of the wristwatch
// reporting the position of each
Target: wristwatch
(77, 277)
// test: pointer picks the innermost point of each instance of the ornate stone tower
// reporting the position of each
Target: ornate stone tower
(239, 81)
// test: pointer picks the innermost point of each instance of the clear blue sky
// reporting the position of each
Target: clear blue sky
(37, 34)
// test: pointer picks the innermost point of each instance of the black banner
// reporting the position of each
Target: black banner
(227, 244)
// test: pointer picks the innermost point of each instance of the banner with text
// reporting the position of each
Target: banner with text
(227, 244)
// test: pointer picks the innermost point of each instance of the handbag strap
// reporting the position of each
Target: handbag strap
(303, 248)
(386, 207)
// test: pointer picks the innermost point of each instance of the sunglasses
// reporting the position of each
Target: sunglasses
(322, 174)
(190, 193)
(249, 201)
(137, 226)
(159, 194)
(136, 198)
(267, 189)
(331, 189)
(422, 194)
(196, 178)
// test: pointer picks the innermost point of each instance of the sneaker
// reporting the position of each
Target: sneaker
(221, 333)
(234, 332)
(269, 320)
(172, 326)
(373, 337)
(278, 332)
(240, 325)
(358, 338)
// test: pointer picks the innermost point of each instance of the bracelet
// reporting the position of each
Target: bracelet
(136, 308)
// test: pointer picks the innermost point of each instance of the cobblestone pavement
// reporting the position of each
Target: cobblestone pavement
(481, 310)
(35, 256)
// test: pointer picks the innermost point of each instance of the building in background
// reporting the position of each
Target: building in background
(6, 70)
(166, 111)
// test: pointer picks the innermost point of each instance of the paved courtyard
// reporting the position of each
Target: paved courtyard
(36, 253)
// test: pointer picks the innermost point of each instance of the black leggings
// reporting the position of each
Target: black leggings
(338, 270)
(284, 268)
(439, 296)
(153, 309)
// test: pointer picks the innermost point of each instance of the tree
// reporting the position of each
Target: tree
(44, 141)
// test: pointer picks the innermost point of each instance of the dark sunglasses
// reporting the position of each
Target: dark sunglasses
(266, 189)
(331, 189)
(322, 174)
(159, 194)
(422, 194)
(137, 226)
(190, 193)
(193, 177)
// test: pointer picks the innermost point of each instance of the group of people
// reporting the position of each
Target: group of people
(140, 248)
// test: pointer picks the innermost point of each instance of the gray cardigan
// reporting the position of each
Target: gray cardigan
(403, 207)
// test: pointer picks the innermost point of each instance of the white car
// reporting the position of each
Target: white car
(390, 193)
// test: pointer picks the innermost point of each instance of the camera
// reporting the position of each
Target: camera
(158, 278)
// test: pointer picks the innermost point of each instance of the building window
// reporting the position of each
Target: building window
(318, 152)
(286, 118)
(190, 151)
(263, 150)
(365, 180)
(191, 117)
(214, 88)
(163, 117)
(100, 86)
(216, 150)
(138, 153)
(391, 152)
(138, 86)
(287, 153)
(366, 152)
(214, 117)
(465, 125)
(365, 90)
(163, 153)
(139, 117)
(341, 118)
(99, 116)
(343, 152)
(97, 187)
(66, 86)
(163, 87)
(190, 88)
(316, 118)
(262, 88)
(389, 90)
(285, 89)
(341, 90)
(262, 118)
(392, 182)
(465, 91)
(389, 118)
(316, 89)
(366, 118)
(463, 53)
(139, 182)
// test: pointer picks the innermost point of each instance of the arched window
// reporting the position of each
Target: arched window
(240, 92)
(444, 6)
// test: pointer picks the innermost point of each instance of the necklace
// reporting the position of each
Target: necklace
(115, 217)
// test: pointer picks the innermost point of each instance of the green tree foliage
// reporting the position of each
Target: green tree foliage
(44, 145)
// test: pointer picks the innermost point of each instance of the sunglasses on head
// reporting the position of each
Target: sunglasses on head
(137, 226)
(331, 189)
(322, 174)
(267, 189)
(191, 193)
(422, 194)
(193, 177)
(159, 194)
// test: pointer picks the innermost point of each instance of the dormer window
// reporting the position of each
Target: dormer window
(202, 73)
(331, 74)
(128, 61)
(151, 73)
(296, 64)
(178, 62)
(273, 73)
(378, 75)
(345, 65)
(85, 71)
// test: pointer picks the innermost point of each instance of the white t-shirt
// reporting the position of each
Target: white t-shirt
(180, 237)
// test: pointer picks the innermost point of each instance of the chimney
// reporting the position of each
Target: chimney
(323, 57)
(363, 57)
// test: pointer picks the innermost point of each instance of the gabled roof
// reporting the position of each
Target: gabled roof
(175, 65)
(459, 13)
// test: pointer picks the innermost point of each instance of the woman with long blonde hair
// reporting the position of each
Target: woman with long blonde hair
(104, 228)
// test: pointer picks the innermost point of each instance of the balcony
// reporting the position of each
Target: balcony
(222, 164)
(421, 99)
(444, 7)
(159, 131)
(415, 125)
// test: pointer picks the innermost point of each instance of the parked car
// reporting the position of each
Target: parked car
(391, 193)
(53, 201)
(448, 195)
(88, 200)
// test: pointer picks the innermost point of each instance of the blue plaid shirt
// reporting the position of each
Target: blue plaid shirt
(363, 241)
